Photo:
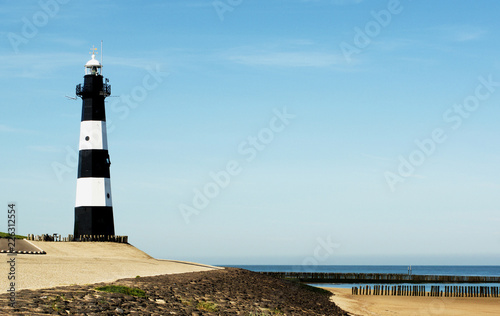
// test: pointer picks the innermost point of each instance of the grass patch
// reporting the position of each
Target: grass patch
(55, 304)
(122, 289)
(7, 235)
(186, 303)
(207, 306)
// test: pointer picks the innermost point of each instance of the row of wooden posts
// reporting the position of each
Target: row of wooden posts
(394, 290)
(471, 291)
(419, 290)
(57, 237)
(380, 278)
(48, 237)
(113, 238)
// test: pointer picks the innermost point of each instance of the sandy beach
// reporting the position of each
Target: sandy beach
(68, 263)
(407, 305)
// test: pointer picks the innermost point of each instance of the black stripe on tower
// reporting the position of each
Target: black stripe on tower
(94, 220)
(93, 163)
(93, 93)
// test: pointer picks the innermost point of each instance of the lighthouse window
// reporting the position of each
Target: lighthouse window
(87, 138)
(107, 195)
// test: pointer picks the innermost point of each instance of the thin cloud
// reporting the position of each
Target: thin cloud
(419, 60)
(45, 149)
(460, 33)
(202, 4)
(335, 2)
(300, 42)
(346, 2)
(288, 59)
(418, 176)
(141, 63)
(469, 35)
(36, 66)
(67, 41)
(396, 44)
(378, 158)
(8, 129)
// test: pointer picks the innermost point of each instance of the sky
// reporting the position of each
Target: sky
(301, 132)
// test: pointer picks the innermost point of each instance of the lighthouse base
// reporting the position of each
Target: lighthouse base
(94, 220)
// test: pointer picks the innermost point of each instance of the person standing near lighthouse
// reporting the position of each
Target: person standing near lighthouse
(93, 208)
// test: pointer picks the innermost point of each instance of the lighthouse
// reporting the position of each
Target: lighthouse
(93, 207)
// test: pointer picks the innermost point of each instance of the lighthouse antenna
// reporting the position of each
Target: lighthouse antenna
(101, 58)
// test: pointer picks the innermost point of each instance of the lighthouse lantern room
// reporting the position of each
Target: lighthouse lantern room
(93, 66)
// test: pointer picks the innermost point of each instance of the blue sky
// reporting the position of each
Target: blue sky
(342, 132)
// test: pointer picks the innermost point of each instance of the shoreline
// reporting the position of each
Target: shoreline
(413, 305)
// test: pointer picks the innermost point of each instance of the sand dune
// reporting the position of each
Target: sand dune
(69, 263)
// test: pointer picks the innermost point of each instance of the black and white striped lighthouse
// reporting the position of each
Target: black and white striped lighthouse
(93, 208)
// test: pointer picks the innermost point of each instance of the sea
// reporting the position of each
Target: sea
(493, 271)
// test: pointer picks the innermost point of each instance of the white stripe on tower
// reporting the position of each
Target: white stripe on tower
(93, 135)
(93, 192)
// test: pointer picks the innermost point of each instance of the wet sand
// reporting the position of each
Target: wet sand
(409, 305)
